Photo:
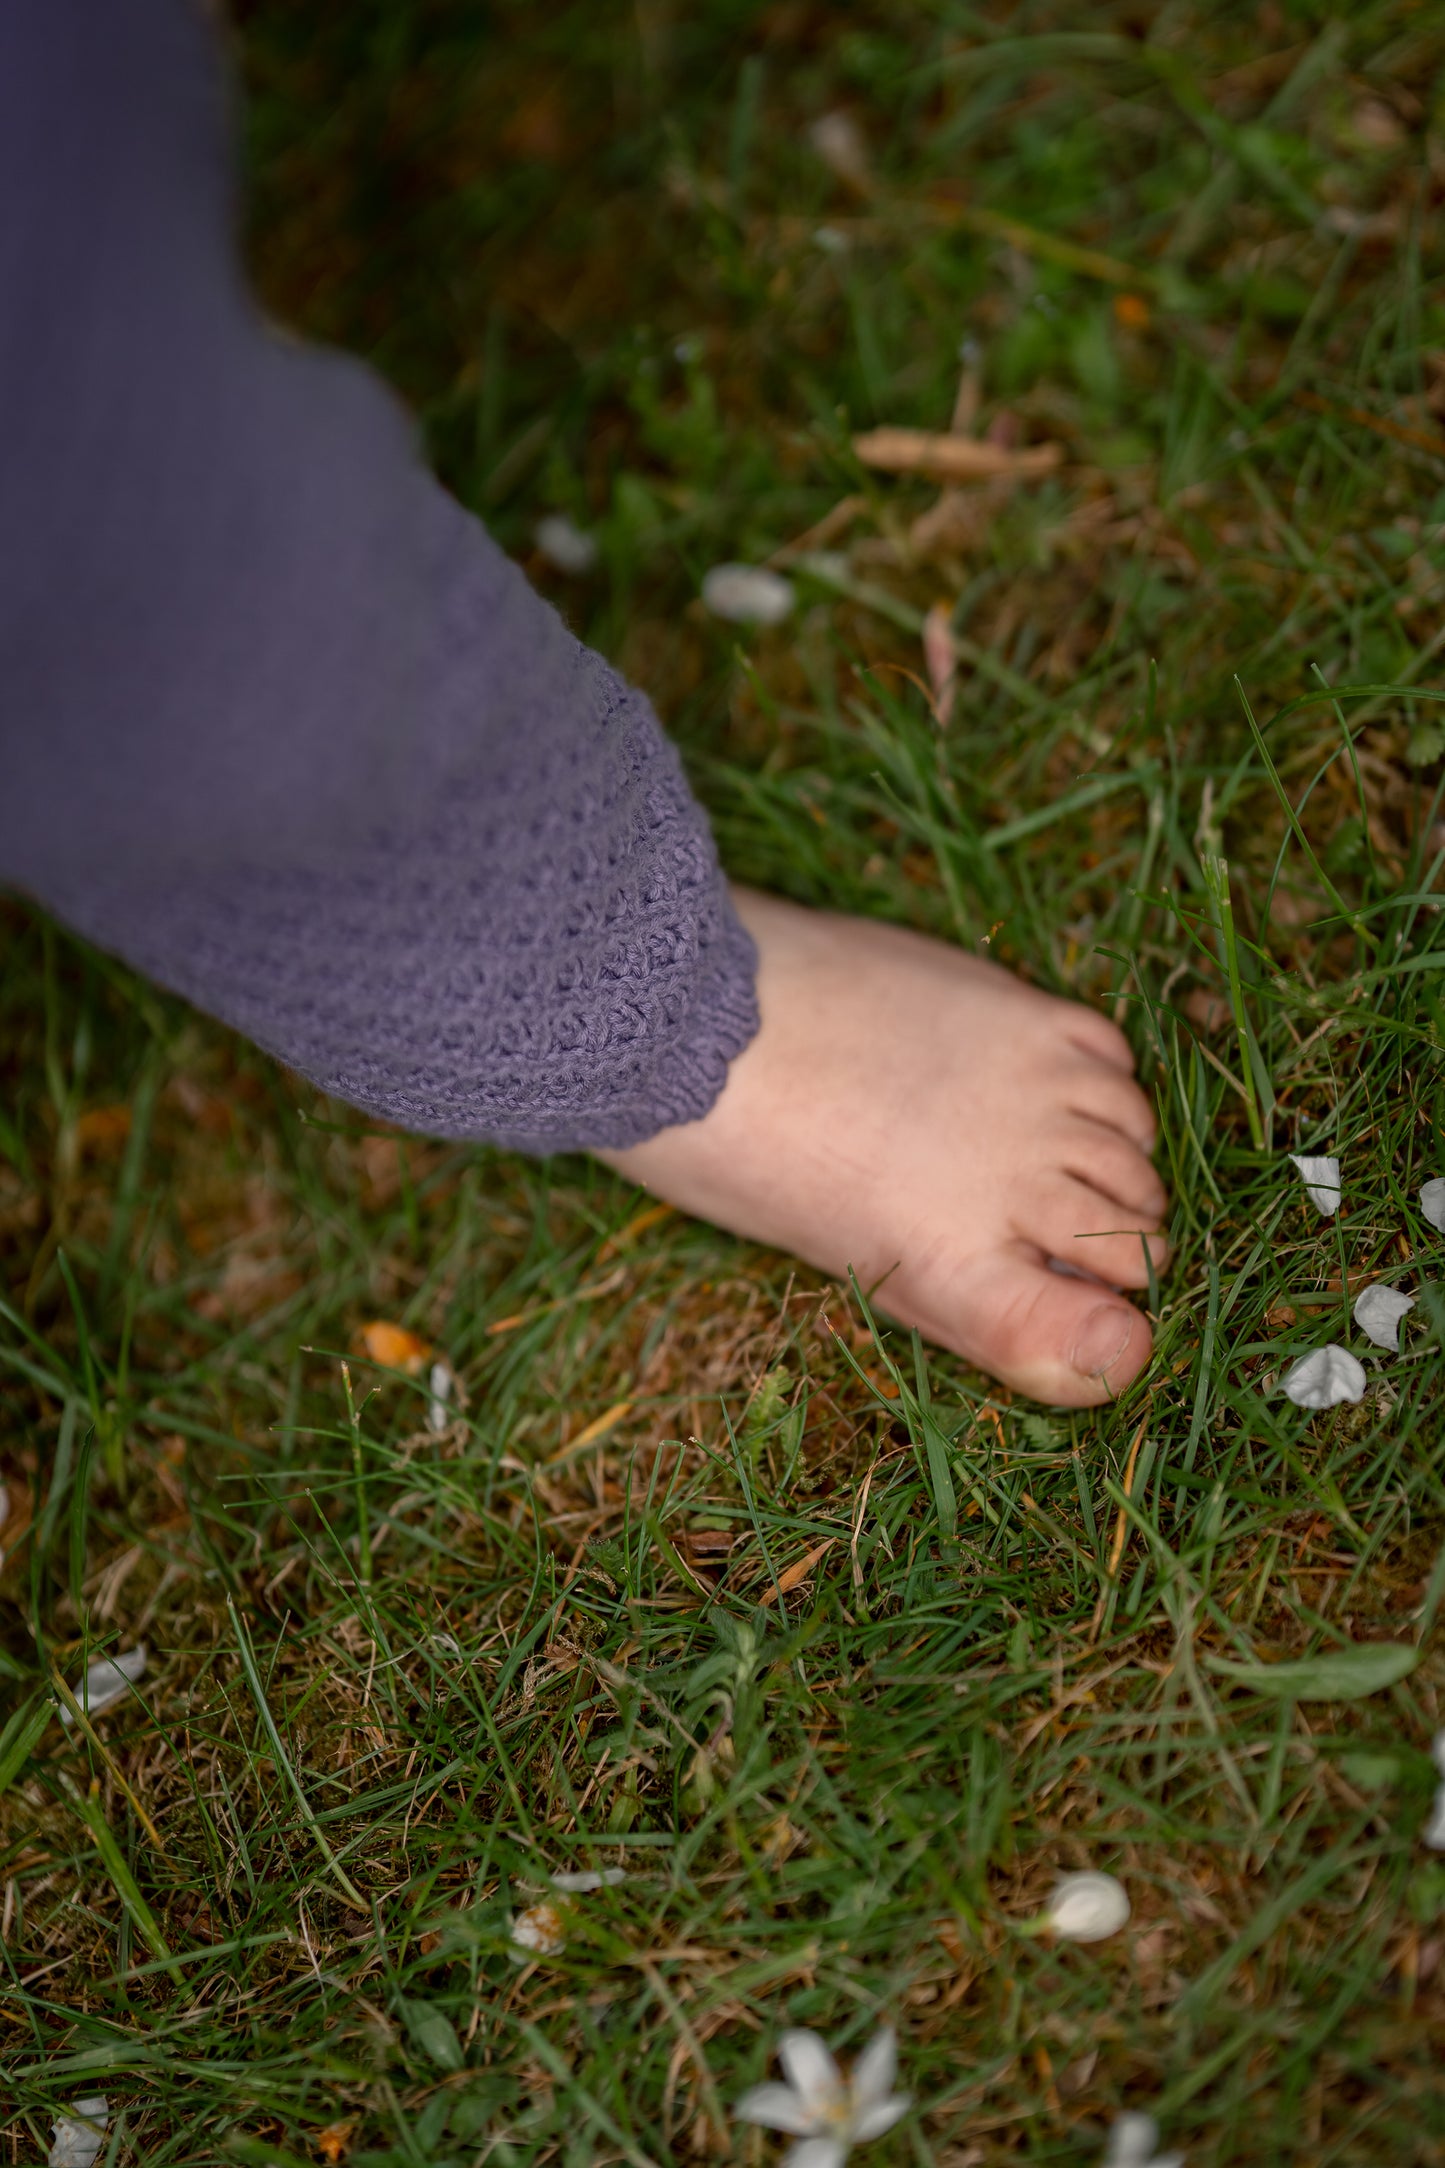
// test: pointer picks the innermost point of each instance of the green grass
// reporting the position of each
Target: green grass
(424, 1671)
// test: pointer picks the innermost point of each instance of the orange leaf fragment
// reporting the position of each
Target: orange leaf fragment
(395, 1347)
(1132, 311)
(334, 2142)
(798, 1571)
(100, 1127)
(947, 458)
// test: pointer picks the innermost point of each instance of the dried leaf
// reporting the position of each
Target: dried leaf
(940, 657)
(1347, 1674)
(335, 2141)
(395, 1347)
(108, 1682)
(1325, 1377)
(1378, 1311)
(947, 458)
(1321, 1180)
(747, 594)
(538, 1932)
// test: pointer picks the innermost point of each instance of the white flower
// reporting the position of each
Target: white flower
(1378, 1311)
(564, 545)
(80, 2135)
(108, 1682)
(539, 1931)
(440, 1383)
(1131, 2144)
(1325, 1377)
(1321, 1180)
(828, 2113)
(1087, 1907)
(747, 594)
(1433, 1833)
(1432, 1203)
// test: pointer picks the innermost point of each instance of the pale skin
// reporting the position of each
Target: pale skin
(923, 1118)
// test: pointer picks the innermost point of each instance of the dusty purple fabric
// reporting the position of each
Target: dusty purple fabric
(279, 723)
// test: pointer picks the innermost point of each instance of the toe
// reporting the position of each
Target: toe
(1095, 1035)
(1070, 1220)
(1062, 1340)
(1109, 1163)
(1100, 1093)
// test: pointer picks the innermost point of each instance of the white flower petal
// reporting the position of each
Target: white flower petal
(80, 2135)
(838, 140)
(441, 1382)
(1378, 1311)
(1432, 1203)
(1324, 1378)
(812, 2072)
(747, 594)
(1433, 1834)
(777, 2107)
(1321, 1180)
(1088, 1907)
(876, 2068)
(108, 1682)
(870, 2123)
(564, 545)
(1131, 2141)
(580, 1885)
(816, 2153)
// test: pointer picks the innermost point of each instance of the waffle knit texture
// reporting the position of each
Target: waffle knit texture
(279, 723)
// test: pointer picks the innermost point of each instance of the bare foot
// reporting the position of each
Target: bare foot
(927, 1119)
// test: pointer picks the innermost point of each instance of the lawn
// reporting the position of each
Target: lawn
(701, 1573)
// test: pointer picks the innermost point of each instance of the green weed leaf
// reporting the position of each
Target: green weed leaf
(433, 2034)
(1334, 1675)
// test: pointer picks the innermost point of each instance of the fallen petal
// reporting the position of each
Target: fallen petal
(1433, 1833)
(747, 594)
(108, 1682)
(1432, 1203)
(838, 140)
(1088, 1907)
(564, 545)
(1324, 1378)
(80, 2134)
(1131, 2141)
(539, 1930)
(580, 1885)
(441, 1392)
(1378, 1311)
(1321, 1180)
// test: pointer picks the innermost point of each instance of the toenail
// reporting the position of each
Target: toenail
(1103, 1337)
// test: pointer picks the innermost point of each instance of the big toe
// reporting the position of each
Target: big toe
(1061, 1339)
